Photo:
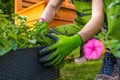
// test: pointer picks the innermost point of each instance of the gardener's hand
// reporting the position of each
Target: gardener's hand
(53, 55)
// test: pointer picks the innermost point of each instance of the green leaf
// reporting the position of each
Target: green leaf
(13, 44)
(4, 51)
(12, 35)
(45, 25)
(32, 41)
(117, 54)
(113, 41)
(116, 46)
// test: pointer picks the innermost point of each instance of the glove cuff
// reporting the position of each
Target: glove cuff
(80, 38)
(77, 39)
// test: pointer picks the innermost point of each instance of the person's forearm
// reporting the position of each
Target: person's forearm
(48, 13)
(51, 9)
(91, 28)
(95, 23)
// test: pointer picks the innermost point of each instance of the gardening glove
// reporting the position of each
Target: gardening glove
(54, 54)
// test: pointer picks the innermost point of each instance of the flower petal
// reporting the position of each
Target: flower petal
(93, 49)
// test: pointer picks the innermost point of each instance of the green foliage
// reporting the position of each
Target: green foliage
(7, 6)
(13, 36)
(111, 45)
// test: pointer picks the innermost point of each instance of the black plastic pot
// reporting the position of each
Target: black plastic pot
(22, 64)
(118, 63)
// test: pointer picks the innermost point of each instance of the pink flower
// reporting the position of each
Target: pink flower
(93, 49)
(42, 19)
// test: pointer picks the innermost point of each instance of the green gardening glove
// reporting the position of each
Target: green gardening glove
(54, 54)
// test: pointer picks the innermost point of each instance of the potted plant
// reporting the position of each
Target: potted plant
(111, 45)
(19, 45)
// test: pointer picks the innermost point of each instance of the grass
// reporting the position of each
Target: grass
(84, 71)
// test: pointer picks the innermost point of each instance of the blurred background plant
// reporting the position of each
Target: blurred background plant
(7, 6)
(111, 45)
(20, 35)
